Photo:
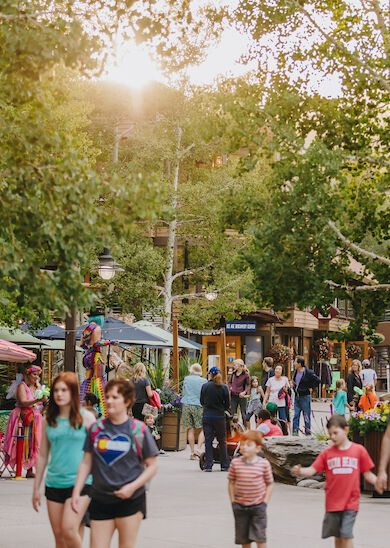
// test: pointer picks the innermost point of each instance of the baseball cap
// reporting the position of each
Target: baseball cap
(214, 370)
(366, 363)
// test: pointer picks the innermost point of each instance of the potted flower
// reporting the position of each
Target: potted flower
(281, 354)
(173, 434)
(323, 349)
(368, 429)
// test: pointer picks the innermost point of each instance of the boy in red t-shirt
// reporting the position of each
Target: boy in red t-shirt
(343, 463)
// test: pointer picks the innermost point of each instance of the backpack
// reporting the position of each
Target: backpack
(137, 434)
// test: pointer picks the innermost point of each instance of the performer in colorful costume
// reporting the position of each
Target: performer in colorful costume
(27, 412)
(93, 360)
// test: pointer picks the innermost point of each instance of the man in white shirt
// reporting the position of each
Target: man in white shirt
(368, 375)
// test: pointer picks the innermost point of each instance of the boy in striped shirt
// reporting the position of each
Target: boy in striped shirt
(250, 489)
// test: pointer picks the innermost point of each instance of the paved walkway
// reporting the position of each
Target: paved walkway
(190, 509)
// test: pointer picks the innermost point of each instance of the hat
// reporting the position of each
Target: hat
(272, 408)
(366, 363)
(214, 370)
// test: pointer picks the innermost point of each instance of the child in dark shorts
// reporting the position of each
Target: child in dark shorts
(249, 504)
(121, 454)
(343, 463)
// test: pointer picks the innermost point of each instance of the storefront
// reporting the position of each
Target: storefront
(248, 338)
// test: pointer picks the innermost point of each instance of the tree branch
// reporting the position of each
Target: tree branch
(381, 25)
(185, 151)
(204, 293)
(354, 58)
(374, 287)
(189, 271)
(359, 250)
(375, 161)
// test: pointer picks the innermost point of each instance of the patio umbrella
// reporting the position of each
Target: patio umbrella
(116, 330)
(52, 331)
(17, 336)
(10, 352)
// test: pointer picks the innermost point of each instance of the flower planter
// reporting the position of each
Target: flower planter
(174, 436)
(372, 441)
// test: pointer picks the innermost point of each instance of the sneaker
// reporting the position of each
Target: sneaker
(193, 456)
(162, 452)
(224, 469)
(207, 469)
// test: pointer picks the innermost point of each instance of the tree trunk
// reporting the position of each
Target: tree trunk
(168, 273)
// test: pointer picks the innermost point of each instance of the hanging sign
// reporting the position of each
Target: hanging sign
(241, 326)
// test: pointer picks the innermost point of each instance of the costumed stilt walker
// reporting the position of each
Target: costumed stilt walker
(93, 360)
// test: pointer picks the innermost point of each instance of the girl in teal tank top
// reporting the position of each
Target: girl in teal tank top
(64, 432)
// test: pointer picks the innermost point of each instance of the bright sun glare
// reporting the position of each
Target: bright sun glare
(133, 67)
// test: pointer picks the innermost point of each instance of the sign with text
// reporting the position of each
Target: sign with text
(240, 326)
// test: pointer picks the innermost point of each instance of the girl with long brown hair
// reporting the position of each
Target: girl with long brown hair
(63, 435)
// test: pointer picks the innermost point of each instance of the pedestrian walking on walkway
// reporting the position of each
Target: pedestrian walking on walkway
(276, 390)
(303, 381)
(63, 436)
(214, 397)
(368, 374)
(239, 386)
(121, 454)
(254, 404)
(354, 380)
(192, 412)
(342, 463)
(339, 400)
(268, 372)
(143, 390)
(250, 489)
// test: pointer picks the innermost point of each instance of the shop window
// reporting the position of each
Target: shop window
(211, 348)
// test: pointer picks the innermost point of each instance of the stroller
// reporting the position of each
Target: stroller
(233, 437)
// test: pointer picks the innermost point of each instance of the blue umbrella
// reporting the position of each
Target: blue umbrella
(52, 331)
(116, 330)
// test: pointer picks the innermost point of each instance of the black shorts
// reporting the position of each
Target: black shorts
(99, 510)
(60, 494)
(250, 522)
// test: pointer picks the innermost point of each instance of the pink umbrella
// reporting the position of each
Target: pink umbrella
(11, 352)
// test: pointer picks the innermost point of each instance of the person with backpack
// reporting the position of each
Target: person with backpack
(122, 456)
(63, 435)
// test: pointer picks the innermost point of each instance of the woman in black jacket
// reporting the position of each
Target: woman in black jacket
(214, 397)
(353, 379)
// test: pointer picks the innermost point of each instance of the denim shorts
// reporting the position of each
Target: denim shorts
(339, 524)
(250, 522)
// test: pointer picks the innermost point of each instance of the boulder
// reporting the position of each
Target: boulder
(284, 452)
(308, 482)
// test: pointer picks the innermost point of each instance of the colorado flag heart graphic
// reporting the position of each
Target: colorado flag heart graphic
(110, 449)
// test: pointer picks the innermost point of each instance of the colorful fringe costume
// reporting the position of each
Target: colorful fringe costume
(31, 420)
(94, 365)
